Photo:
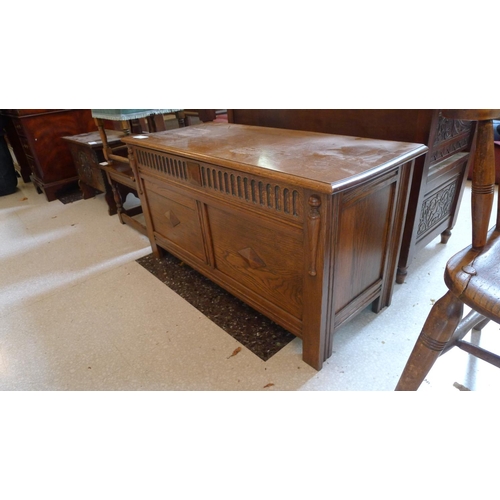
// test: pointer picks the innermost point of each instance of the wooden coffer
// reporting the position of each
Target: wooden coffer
(268, 215)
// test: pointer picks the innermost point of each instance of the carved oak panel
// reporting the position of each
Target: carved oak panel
(436, 208)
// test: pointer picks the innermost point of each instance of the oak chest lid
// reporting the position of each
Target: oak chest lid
(321, 161)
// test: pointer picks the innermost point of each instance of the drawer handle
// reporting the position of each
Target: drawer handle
(313, 220)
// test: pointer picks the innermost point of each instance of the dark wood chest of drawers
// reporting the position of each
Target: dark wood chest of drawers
(36, 138)
(304, 227)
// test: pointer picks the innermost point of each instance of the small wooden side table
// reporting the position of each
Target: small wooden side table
(87, 152)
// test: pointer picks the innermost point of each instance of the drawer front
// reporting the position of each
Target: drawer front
(176, 219)
(264, 256)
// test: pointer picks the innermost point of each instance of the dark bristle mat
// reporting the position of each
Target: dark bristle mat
(255, 331)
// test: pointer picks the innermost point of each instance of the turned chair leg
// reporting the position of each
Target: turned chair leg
(445, 236)
(438, 329)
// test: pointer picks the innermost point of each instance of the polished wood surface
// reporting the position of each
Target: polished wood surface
(438, 178)
(304, 227)
(472, 275)
(44, 157)
(326, 164)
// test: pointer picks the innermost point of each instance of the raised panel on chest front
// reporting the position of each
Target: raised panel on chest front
(261, 255)
(176, 220)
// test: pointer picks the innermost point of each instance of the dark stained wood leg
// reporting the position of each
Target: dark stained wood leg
(401, 274)
(445, 236)
(87, 191)
(315, 343)
(110, 200)
(312, 356)
(109, 195)
(377, 305)
(51, 192)
(158, 252)
(118, 199)
(25, 174)
(437, 331)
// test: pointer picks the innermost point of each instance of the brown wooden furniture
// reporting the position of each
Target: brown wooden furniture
(304, 227)
(497, 164)
(204, 115)
(117, 166)
(472, 275)
(44, 157)
(87, 152)
(439, 176)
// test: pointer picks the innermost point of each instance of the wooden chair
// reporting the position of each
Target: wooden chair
(117, 165)
(472, 275)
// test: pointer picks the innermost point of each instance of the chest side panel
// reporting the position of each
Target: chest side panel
(362, 241)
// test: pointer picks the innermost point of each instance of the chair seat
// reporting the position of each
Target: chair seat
(474, 277)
